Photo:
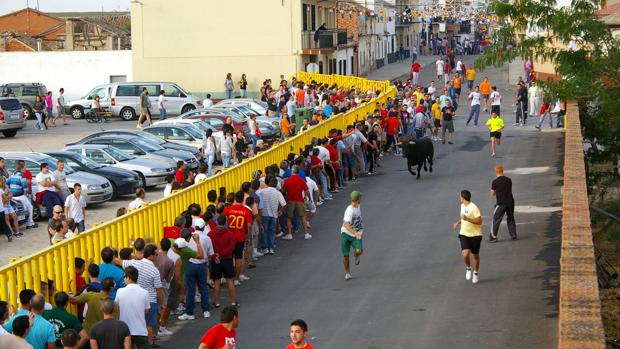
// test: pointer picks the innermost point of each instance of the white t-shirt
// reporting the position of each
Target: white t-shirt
(200, 177)
(132, 302)
(533, 92)
(459, 66)
(312, 187)
(160, 102)
(205, 242)
(252, 126)
(439, 64)
(75, 207)
(167, 190)
(431, 91)
(353, 215)
(208, 147)
(61, 100)
(323, 153)
(135, 204)
(207, 103)
(496, 98)
(475, 98)
(41, 177)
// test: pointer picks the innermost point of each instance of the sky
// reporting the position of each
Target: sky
(8, 6)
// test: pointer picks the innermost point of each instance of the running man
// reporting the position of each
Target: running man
(298, 333)
(501, 188)
(485, 89)
(495, 125)
(496, 100)
(470, 235)
(351, 233)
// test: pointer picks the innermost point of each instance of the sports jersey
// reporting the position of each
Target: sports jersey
(238, 216)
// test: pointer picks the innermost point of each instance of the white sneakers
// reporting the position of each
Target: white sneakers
(163, 332)
(257, 253)
(237, 283)
(474, 279)
(185, 317)
(206, 314)
(242, 277)
(307, 236)
(287, 237)
(468, 274)
(347, 277)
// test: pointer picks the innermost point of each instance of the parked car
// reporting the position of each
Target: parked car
(146, 135)
(26, 93)
(269, 126)
(188, 131)
(11, 116)
(258, 106)
(138, 146)
(151, 173)
(123, 99)
(96, 189)
(20, 211)
(217, 121)
(124, 182)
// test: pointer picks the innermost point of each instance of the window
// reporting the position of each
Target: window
(126, 147)
(10, 104)
(72, 163)
(172, 91)
(157, 131)
(127, 91)
(98, 156)
(29, 91)
(304, 16)
(34, 167)
(215, 122)
(177, 134)
(152, 89)
(313, 17)
(10, 164)
(97, 92)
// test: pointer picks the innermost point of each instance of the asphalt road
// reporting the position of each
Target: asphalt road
(410, 290)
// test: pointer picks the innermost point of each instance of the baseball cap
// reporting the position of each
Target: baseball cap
(180, 243)
(356, 195)
(200, 225)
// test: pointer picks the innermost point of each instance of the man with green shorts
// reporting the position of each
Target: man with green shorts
(351, 233)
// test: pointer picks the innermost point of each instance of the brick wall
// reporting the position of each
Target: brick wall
(349, 23)
(580, 323)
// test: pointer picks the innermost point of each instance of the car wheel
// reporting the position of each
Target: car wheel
(127, 114)
(9, 133)
(142, 180)
(27, 112)
(114, 191)
(187, 108)
(77, 113)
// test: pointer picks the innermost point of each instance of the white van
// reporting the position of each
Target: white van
(123, 99)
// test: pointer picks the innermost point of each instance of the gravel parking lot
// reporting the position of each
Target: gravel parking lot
(55, 138)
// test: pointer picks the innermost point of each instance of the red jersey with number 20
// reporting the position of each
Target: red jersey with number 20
(238, 217)
(218, 336)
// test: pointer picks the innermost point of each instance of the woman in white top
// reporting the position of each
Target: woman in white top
(226, 148)
(208, 148)
(474, 112)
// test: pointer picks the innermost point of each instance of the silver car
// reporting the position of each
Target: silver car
(184, 131)
(258, 106)
(11, 116)
(123, 99)
(96, 189)
(151, 173)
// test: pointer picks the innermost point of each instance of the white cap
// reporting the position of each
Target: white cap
(180, 243)
(200, 224)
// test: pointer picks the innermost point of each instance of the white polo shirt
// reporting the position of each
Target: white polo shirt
(205, 243)
(40, 178)
(132, 302)
(75, 207)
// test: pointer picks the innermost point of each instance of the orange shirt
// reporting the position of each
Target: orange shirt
(457, 82)
(284, 125)
(300, 95)
(485, 88)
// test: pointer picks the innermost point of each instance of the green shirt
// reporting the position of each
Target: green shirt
(186, 254)
(94, 312)
(61, 319)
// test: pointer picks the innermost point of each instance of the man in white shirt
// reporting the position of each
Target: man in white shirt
(46, 183)
(431, 90)
(207, 102)
(161, 105)
(133, 303)
(459, 67)
(496, 100)
(60, 107)
(474, 112)
(440, 64)
(534, 98)
(75, 207)
(138, 201)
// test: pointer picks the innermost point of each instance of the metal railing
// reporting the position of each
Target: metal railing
(326, 39)
(56, 263)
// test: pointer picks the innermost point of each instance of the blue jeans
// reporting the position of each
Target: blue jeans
(50, 114)
(210, 159)
(324, 185)
(243, 93)
(474, 113)
(226, 160)
(196, 274)
(268, 236)
(81, 226)
(340, 177)
(254, 139)
(39, 124)
(229, 94)
(162, 114)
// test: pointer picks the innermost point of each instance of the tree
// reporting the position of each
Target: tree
(589, 74)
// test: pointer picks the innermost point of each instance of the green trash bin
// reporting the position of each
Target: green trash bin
(300, 115)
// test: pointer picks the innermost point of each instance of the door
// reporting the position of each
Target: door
(178, 135)
(159, 132)
(174, 99)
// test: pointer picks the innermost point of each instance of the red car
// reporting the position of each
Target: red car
(218, 121)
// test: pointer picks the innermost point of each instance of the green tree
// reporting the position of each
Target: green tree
(590, 74)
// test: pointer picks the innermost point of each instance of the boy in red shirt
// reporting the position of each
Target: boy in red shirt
(179, 176)
(239, 219)
(222, 265)
(298, 333)
(222, 335)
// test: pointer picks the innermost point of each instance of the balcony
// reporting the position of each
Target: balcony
(404, 20)
(328, 41)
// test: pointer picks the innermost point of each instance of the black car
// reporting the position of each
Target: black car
(123, 181)
(162, 143)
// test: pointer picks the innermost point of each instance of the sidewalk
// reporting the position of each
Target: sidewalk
(398, 69)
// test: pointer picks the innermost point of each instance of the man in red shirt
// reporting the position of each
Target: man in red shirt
(298, 333)
(222, 335)
(415, 69)
(295, 188)
(179, 176)
(392, 126)
(222, 265)
(239, 219)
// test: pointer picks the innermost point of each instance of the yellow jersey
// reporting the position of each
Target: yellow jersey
(436, 110)
(471, 74)
(495, 124)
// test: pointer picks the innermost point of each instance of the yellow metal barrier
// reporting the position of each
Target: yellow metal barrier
(56, 263)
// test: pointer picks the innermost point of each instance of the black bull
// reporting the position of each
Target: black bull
(418, 152)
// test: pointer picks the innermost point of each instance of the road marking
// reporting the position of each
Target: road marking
(529, 170)
(537, 209)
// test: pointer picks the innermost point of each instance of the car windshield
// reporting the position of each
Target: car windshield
(196, 131)
(151, 138)
(262, 104)
(147, 146)
(51, 164)
(118, 154)
(87, 162)
(235, 115)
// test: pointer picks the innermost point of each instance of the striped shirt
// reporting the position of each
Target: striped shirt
(17, 184)
(271, 199)
(148, 276)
